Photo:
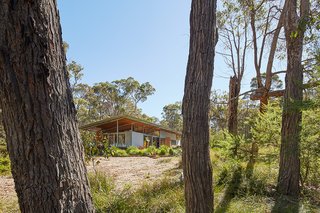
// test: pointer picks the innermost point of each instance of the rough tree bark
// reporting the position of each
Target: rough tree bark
(43, 141)
(234, 91)
(195, 135)
(289, 172)
(233, 105)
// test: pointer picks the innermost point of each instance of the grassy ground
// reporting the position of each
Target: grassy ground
(236, 190)
(9, 206)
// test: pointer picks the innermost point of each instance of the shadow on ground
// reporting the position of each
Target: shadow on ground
(231, 191)
(285, 204)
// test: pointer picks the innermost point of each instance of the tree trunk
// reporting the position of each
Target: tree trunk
(233, 106)
(289, 172)
(43, 141)
(234, 90)
(264, 103)
(195, 135)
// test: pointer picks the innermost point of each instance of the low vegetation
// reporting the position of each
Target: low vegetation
(235, 190)
(237, 187)
(162, 196)
(5, 168)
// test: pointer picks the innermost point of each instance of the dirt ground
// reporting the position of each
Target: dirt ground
(124, 170)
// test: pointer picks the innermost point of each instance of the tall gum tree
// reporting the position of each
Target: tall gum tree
(195, 109)
(289, 171)
(44, 145)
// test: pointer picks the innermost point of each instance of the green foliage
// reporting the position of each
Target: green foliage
(151, 150)
(171, 116)
(310, 147)
(218, 111)
(276, 82)
(101, 183)
(93, 147)
(163, 150)
(105, 99)
(5, 168)
(266, 127)
(232, 177)
(133, 151)
(227, 143)
(117, 152)
(75, 73)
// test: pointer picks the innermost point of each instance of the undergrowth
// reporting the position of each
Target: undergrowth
(161, 196)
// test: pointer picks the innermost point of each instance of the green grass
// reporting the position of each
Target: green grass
(162, 196)
(5, 168)
(235, 191)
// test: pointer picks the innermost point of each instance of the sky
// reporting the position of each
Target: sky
(145, 39)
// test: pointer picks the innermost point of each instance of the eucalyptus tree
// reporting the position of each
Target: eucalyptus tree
(75, 73)
(39, 117)
(233, 33)
(289, 171)
(172, 117)
(131, 89)
(197, 168)
(266, 22)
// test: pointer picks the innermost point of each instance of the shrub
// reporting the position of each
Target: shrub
(151, 150)
(116, 152)
(132, 150)
(163, 150)
(172, 152)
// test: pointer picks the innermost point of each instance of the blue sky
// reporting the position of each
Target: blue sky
(145, 39)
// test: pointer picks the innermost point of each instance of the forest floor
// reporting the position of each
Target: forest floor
(143, 184)
(125, 171)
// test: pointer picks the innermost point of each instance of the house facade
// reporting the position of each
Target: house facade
(124, 131)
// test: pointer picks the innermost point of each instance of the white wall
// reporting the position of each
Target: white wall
(137, 139)
(128, 138)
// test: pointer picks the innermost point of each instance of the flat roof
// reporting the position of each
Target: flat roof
(125, 122)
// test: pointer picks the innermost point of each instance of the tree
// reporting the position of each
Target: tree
(276, 82)
(218, 111)
(289, 171)
(195, 107)
(172, 117)
(42, 135)
(233, 31)
(132, 89)
(105, 99)
(75, 73)
(263, 16)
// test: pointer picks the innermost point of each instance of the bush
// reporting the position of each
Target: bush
(132, 150)
(151, 150)
(116, 152)
(163, 150)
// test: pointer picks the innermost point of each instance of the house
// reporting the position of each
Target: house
(124, 131)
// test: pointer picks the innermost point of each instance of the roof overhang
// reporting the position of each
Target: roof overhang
(124, 123)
